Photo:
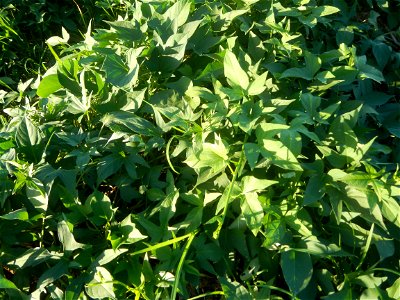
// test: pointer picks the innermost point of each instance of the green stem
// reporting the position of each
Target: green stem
(180, 265)
(54, 53)
(207, 294)
(238, 170)
(161, 245)
(367, 245)
(167, 154)
(42, 232)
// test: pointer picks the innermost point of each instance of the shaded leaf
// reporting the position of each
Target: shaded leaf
(297, 269)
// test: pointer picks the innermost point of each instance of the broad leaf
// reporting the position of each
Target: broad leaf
(101, 286)
(48, 85)
(27, 135)
(252, 211)
(297, 269)
(66, 237)
(233, 71)
(253, 184)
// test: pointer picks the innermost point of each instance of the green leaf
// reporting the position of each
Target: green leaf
(258, 86)
(252, 211)
(19, 214)
(168, 207)
(234, 290)
(56, 40)
(66, 237)
(120, 73)
(336, 201)
(233, 71)
(101, 209)
(252, 184)
(48, 85)
(313, 64)
(345, 36)
(227, 197)
(391, 210)
(324, 248)
(252, 152)
(344, 293)
(296, 73)
(27, 134)
(292, 140)
(129, 122)
(368, 71)
(394, 290)
(255, 47)
(9, 285)
(51, 275)
(194, 218)
(274, 233)
(314, 190)
(101, 286)
(310, 103)
(68, 76)
(300, 221)
(32, 257)
(365, 203)
(178, 14)
(343, 134)
(106, 256)
(297, 269)
(280, 155)
(382, 53)
(214, 156)
(127, 30)
(126, 233)
(324, 10)
(269, 130)
(108, 166)
(77, 105)
(36, 194)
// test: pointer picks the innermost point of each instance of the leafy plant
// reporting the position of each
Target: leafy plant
(202, 148)
(25, 26)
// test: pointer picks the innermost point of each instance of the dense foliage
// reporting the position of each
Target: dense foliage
(26, 24)
(241, 149)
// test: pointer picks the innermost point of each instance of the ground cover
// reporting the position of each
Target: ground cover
(207, 149)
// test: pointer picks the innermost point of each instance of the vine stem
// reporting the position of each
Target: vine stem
(238, 170)
(180, 265)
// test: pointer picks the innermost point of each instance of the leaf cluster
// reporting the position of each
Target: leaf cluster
(208, 148)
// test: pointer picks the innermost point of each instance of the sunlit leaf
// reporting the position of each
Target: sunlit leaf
(66, 237)
(101, 286)
(27, 134)
(253, 184)
(234, 72)
(48, 85)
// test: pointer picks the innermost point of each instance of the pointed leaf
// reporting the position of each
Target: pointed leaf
(252, 211)
(66, 237)
(101, 286)
(297, 269)
(27, 134)
(258, 85)
(253, 184)
(48, 85)
(233, 71)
